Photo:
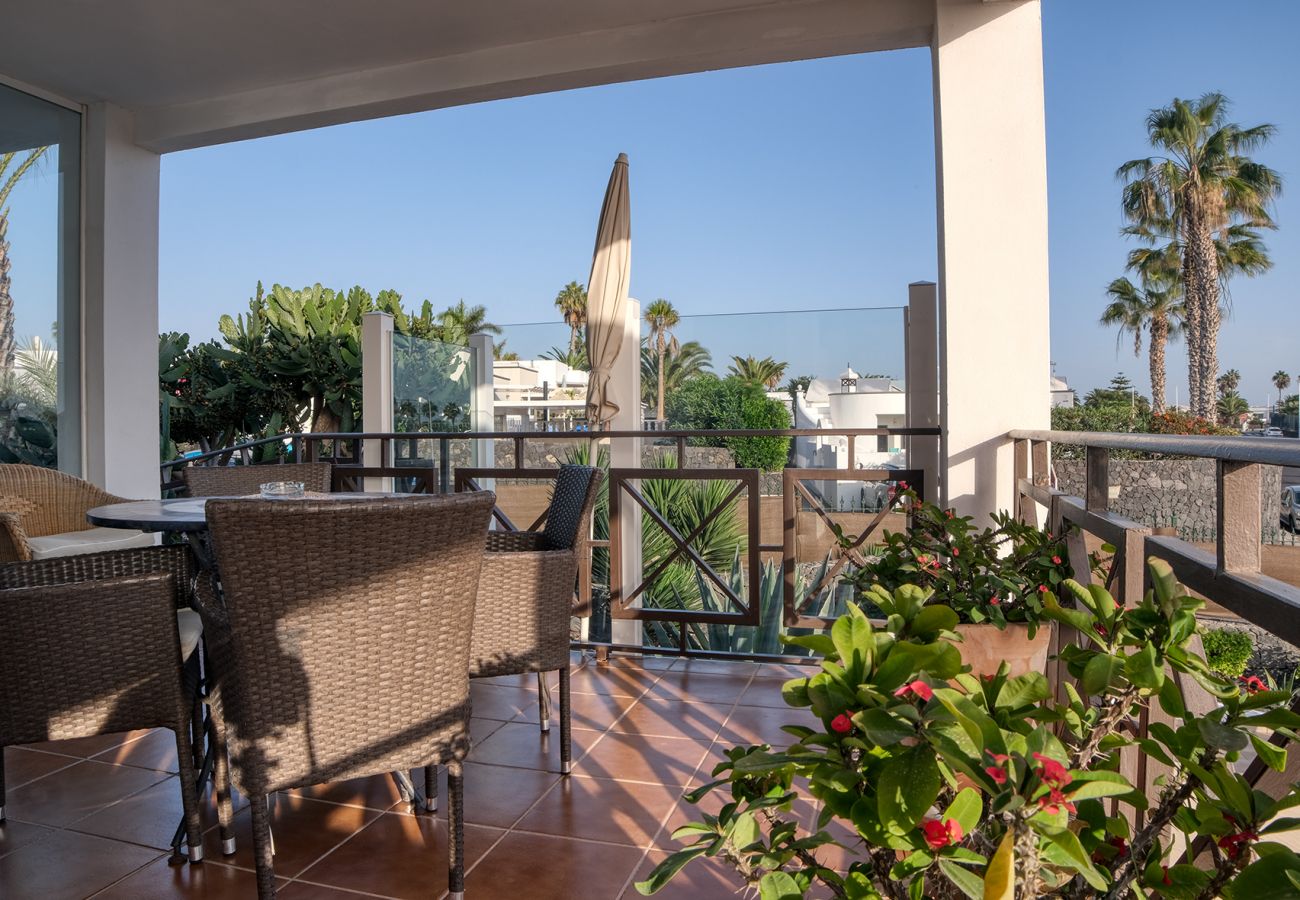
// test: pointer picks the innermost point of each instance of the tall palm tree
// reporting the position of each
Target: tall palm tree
(571, 301)
(1154, 308)
(690, 360)
(7, 185)
(1231, 407)
(662, 318)
(1281, 381)
(1204, 184)
(457, 323)
(1228, 382)
(766, 371)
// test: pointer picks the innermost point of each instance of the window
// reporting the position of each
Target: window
(40, 282)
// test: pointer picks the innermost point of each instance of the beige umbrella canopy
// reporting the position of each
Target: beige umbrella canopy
(611, 269)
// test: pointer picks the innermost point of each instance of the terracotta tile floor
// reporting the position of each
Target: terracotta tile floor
(92, 818)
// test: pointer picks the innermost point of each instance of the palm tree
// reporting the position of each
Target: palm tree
(7, 185)
(1204, 185)
(798, 383)
(457, 323)
(1153, 308)
(766, 371)
(575, 357)
(1228, 382)
(1231, 407)
(571, 301)
(500, 352)
(662, 319)
(1281, 381)
(690, 360)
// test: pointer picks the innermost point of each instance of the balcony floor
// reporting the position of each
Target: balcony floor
(94, 817)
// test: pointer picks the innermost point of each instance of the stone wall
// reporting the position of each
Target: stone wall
(542, 454)
(1168, 491)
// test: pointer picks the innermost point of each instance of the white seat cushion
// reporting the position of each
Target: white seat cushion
(92, 540)
(190, 625)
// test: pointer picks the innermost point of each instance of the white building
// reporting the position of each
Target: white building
(537, 395)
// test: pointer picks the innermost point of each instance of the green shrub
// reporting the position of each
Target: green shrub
(707, 403)
(1228, 652)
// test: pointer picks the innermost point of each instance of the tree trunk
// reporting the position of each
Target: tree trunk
(1201, 291)
(6, 300)
(573, 338)
(1159, 337)
(660, 408)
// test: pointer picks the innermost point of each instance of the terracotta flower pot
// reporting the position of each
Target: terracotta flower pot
(985, 647)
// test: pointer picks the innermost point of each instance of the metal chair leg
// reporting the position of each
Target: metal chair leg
(456, 830)
(430, 788)
(221, 783)
(543, 702)
(566, 724)
(2, 784)
(189, 793)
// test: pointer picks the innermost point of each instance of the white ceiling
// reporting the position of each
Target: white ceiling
(202, 71)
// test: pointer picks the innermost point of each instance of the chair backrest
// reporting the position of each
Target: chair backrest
(239, 481)
(48, 501)
(87, 658)
(347, 647)
(572, 501)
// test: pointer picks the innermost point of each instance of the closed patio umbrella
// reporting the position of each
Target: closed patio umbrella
(611, 268)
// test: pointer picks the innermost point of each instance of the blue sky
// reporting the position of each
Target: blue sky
(798, 186)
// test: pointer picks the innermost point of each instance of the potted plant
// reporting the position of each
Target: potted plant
(993, 577)
(939, 784)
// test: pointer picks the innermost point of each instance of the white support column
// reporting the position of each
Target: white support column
(626, 454)
(483, 414)
(377, 392)
(992, 198)
(921, 348)
(120, 312)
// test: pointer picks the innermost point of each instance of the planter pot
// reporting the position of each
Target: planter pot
(985, 647)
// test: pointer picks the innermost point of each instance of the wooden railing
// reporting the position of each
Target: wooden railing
(359, 456)
(1230, 576)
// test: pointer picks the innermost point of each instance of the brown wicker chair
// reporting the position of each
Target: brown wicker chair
(526, 596)
(238, 481)
(43, 515)
(93, 644)
(344, 655)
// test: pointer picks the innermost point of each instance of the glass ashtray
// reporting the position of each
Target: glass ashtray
(278, 490)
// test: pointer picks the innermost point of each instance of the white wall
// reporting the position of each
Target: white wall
(992, 199)
(120, 312)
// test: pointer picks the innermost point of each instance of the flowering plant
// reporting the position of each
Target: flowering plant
(996, 574)
(939, 784)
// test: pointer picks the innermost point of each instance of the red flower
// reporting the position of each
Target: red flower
(1054, 801)
(918, 688)
(1233, 844)
(941, 834)
(842, 723)
(1164, 875)
(902, 485)
(1254, 684)
(956, 551)
(949, 513)
(997, 773)
(1052, 772)
(1119, 844)
(1042, 589)
(1057, 560)
(994, 600)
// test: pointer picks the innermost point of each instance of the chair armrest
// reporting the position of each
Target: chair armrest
(514, 541)
(521, 617)
(13, 539)
(97, 567)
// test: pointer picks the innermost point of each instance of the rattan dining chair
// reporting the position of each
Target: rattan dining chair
(526, 596)
(43, 515)
(346, 654)
(97, 644)
(238, 481)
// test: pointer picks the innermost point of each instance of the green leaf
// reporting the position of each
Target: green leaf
(966, 881)
(907, 788)
(1273, 756)
(1268, 878)
(664, 872)
(1220, 736)
(1142, 669)
(1023, 690)
(933, 619)
(1000, 877)
(881, 728)
(965, 809)
(779, 886)
(1103, 671)
(1076, 858)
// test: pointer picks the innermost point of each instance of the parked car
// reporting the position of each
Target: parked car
(1291, 506)
(1272, 431)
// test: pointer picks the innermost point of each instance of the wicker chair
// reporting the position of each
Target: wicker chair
(238, 481)
(43, 515)
(138, 669)
(526, 596)
(345, 655)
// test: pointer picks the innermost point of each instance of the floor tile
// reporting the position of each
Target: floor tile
(399, 856)
(23, 765)
(540, 867)
(148, 818)
(163, 880)
(663, 717)
(377, 792)
(599, 809)
(155, 750)
(301, 890)
(304, 830)
(14, 835)
(784, 673)
(67, 866)
(503, 703)
(498, 795)
(84, 748)
(77, 791)
(764, 692)
(762, 725)
(735, 668)
(612, 679)
(701, 879)
(700, 688)
(592, 712)
(632, 757)
(523, 745)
